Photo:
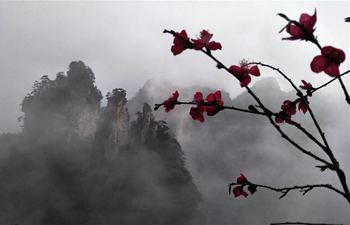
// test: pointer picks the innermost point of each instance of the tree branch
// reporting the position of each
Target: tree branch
(284, 191)
(347, 97)
(304, 223)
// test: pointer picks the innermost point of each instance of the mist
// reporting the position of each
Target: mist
(81, 144)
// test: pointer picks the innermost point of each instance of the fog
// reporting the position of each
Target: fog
(53, 175)
(124, 44)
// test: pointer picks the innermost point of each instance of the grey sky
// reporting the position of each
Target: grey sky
(123, 43)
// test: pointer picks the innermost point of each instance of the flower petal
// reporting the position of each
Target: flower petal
(308, 21)
(302, 106)
(295, 31)
(214, 46)
(197, 113)
(332, 70)
(198, 44)
(205, 36)
(236, 70)
(241, 179)
(254, 70)
(238, 191)
(176, 49)
(210, 98)
(217, 95)
(175, 95)
(318, 64)
(198, 97)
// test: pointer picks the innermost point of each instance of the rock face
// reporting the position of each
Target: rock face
(94, 165)
(65, 107)
(87, 122)
(120, 115)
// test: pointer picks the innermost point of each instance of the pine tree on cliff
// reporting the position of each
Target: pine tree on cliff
(63, 108)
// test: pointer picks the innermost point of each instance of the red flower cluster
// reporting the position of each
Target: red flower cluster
(204, 41)
(179, 44)
(238, 189)
(307, 22)
(170, 103)
(212, 106)
(182, 42)
(282, 116)
(243, 72)
(328, 61)
(308, 87)
(214, 100)
(302, 106)
(289, 109)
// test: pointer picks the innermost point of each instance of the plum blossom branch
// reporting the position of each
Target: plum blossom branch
(156, 107)
(327, 149)
(251, 109)
(242, 184)
(283, 135)
(330, 57)
(304, 223)
(304, 189)
(330, 61)
(265, 110)
(309, 35)
(300, 94)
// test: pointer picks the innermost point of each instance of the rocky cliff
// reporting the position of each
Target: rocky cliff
(79, 163)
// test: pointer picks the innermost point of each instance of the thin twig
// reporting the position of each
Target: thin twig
(305, 223)
(347, 97)
(328, 82)
(284, 191)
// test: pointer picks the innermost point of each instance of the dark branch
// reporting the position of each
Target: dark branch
(304, 189)
(305, 223)
(347, 97)
(300, 94)
(330, 81)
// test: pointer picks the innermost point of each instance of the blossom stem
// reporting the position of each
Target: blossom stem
(304, 223)
(284, 191)
(347, 97)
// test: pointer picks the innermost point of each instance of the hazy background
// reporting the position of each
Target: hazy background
(123, 44)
